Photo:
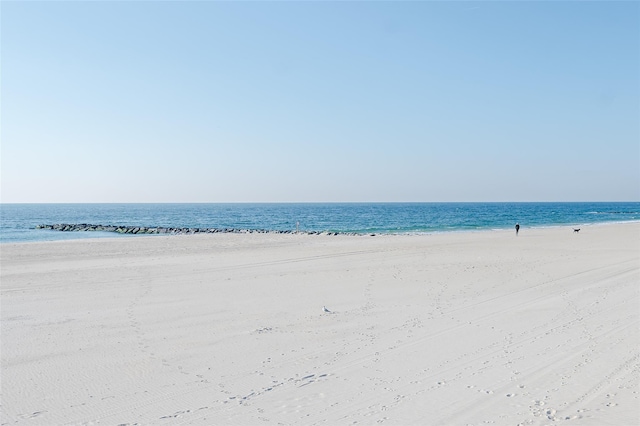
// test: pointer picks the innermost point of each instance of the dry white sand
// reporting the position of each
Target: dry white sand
(451, 329)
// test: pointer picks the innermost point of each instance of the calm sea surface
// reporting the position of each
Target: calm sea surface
(18, 221)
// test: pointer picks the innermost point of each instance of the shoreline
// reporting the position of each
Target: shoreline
(449, 328)
(213, 231)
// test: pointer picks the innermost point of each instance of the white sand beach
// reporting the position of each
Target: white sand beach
(228, 329)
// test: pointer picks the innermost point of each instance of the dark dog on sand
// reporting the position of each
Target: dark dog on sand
(576, 229)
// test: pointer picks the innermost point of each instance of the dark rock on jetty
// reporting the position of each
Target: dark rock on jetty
(142, 230)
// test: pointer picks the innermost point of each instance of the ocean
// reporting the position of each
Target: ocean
(18, 221)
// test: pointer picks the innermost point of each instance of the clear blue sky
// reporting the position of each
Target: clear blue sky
(320, 101)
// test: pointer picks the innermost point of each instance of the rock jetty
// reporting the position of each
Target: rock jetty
(142, 230)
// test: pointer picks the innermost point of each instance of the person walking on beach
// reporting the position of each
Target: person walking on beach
(517, 228)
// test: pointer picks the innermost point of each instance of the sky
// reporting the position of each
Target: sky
(319, 101)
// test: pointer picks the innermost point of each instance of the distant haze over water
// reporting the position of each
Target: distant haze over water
(19, 220)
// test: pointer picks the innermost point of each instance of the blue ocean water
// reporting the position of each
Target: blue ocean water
(18, 221)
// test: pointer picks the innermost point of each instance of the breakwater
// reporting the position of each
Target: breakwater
(144, 230)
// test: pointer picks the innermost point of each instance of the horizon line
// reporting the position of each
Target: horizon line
(318, 202)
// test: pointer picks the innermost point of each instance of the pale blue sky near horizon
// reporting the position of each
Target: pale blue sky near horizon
(138, 101)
